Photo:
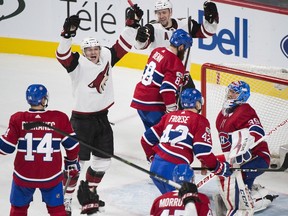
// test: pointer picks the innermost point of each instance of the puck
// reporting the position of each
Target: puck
(273, 166)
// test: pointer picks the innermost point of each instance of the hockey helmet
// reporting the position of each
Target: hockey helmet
(183, 172)
(163, 4)
(189, 97)
(35, 93)
(89, 42)
(242, 89)
(180, 37)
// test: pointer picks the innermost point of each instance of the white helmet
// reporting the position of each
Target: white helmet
(89, 42)
(163, 4)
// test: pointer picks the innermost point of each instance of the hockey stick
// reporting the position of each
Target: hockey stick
(130, 3)
(67, 183)
(283, 167)
(30, 125)
(204, 180)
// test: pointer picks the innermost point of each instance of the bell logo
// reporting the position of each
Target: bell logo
(229, 42)
(284, 46)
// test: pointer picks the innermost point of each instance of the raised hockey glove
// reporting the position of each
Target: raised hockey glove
(72, 167)
(133, 16)
(70, 26)
(244, 157)
(142, 34)
(186, 78)
(188, 193)
(211, 12)
(223, 169)
(87, 199)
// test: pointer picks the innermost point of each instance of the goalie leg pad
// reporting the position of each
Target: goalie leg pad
(236, 195)
(261, 197)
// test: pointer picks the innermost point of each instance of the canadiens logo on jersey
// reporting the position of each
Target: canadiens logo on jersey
(225, 141)
(100, 82)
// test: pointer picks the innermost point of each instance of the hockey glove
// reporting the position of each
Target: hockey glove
(72, 167)
(189, 193)
(150, 158)
(70, 26)
(211, 12)
(134, 15)
(142, 34)
(87, 199)
(244, 157)
(223, 169)
(186, 78)
(171, 108)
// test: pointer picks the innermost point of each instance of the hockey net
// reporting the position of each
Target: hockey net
(269, 97)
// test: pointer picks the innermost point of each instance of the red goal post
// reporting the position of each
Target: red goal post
(269, 97)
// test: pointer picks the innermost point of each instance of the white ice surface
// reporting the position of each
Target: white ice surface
(126, 190)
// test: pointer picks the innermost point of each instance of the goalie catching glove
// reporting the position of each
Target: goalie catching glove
(133, 16)
(70, 26)
(87, 199)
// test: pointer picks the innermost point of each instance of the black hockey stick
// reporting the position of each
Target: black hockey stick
(283, 167)
(31, 125)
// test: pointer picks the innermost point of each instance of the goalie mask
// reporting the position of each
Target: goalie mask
(35, 93)
(238, 93)
(183, 172)
(189, 98)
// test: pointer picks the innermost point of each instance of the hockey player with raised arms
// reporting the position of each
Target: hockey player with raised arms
(38, 161)
(170, 142)
(158, 32)
(186, 201)
(91, 76)
(239, 127)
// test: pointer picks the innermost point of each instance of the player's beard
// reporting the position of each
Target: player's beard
(180, 54)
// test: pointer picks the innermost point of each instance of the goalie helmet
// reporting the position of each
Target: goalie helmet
(183, 172)
(239, 87)
(89, 42)
(189, 97)
(35, 93)
(180, 37)
(163, 4)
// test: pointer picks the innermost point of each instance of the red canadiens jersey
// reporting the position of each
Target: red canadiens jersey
(161, 79)
(178, 136)
(170, 204)
(38, 161)
(244, 116)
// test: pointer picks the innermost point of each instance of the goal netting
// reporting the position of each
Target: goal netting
(269, 97)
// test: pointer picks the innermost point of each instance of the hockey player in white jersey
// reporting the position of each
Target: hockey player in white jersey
(91, 76)
(157, 33)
